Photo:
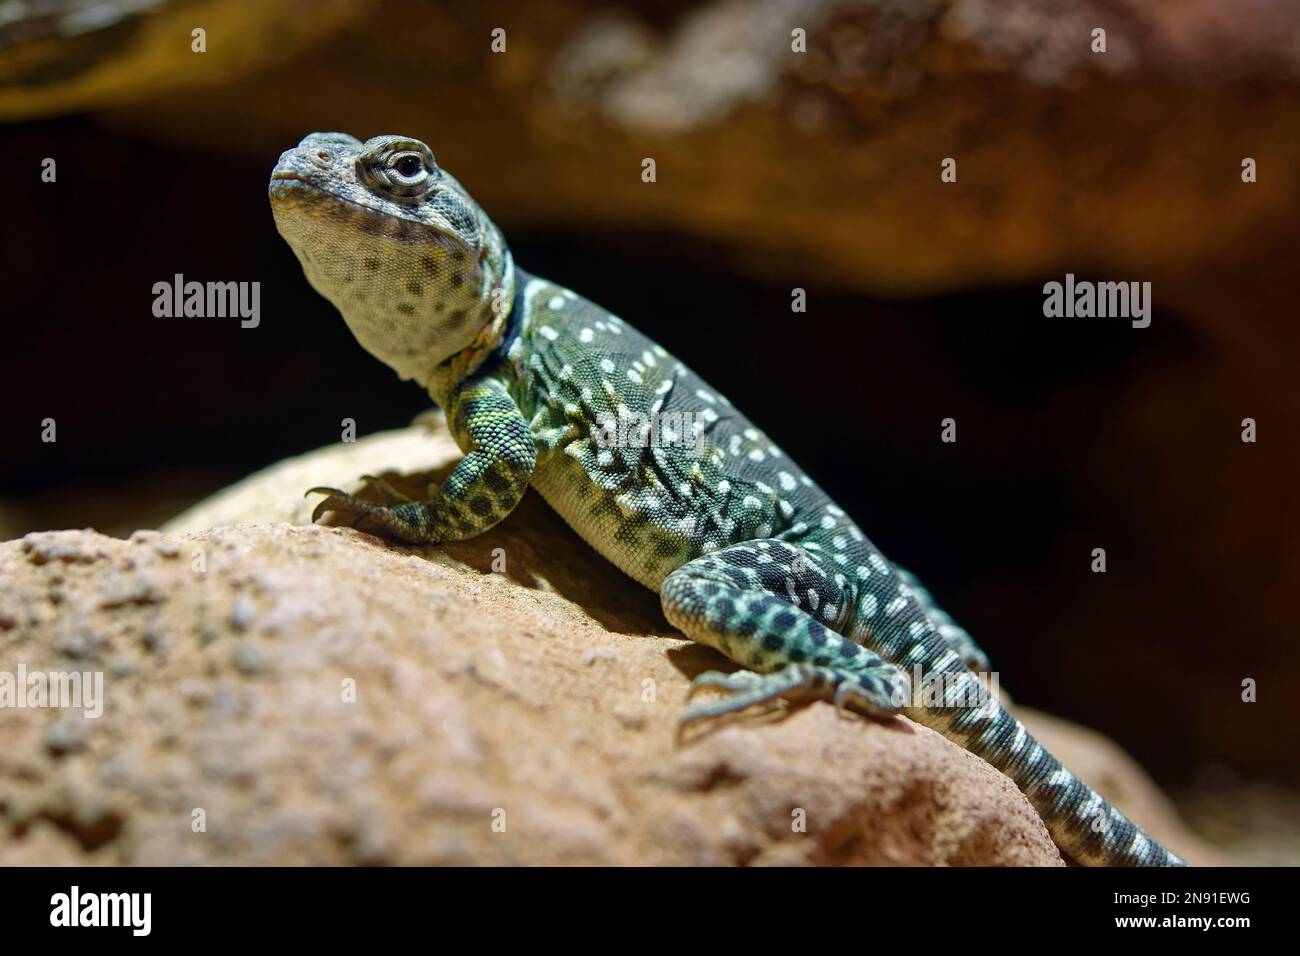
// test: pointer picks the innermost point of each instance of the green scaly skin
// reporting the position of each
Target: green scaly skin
(542, 387)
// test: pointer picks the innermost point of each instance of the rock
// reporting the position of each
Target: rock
(299, 694)
(824, 163)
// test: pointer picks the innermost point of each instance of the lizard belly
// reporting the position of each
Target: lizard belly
(641, 544)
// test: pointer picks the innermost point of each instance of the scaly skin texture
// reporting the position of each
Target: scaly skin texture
(655, 469)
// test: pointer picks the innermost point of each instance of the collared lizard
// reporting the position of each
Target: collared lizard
(651, 466)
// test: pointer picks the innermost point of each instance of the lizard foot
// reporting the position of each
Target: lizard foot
(411, 521)
(880, 689)
(343, 503)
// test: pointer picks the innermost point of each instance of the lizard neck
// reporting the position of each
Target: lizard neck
(491, 343)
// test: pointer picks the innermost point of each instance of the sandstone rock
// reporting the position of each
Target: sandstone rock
(323, 696)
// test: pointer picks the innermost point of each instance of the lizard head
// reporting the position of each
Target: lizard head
(418, 270)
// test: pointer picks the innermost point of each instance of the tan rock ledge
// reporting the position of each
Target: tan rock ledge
(281, 693)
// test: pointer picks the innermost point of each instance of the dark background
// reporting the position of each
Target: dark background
(1001, 525)
(1071, 434)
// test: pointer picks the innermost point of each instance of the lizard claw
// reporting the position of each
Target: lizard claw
(343, 502)
(738, 680)
(325, 490)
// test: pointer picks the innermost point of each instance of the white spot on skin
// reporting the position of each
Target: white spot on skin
(787, 481)
(945, 660)
(896, 605)
(868, 605)
(878, 562)
(828, 522)
(585, 336)
(752, 503)
(607, 366)
(549, 333)
(556, 303)
(724, 486)
(634, 375)
(705, 396)
(1021, 736)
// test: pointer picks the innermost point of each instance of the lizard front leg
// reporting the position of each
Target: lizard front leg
(483, 488)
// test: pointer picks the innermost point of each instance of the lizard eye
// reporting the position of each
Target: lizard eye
(402, 168)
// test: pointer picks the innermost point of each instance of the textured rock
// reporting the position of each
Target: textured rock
(545, 695)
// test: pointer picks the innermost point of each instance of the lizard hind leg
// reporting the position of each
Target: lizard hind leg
(766, 609)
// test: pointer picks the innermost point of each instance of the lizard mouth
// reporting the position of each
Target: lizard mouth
(284, 177)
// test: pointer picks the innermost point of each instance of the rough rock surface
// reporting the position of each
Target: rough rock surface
(323, 696)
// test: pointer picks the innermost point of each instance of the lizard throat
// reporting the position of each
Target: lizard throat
(500, 326)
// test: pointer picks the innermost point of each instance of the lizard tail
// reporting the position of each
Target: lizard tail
(1080, 820)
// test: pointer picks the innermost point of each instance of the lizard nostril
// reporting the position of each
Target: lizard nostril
(321, 158)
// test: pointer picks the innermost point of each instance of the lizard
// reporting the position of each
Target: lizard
(654, 468)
